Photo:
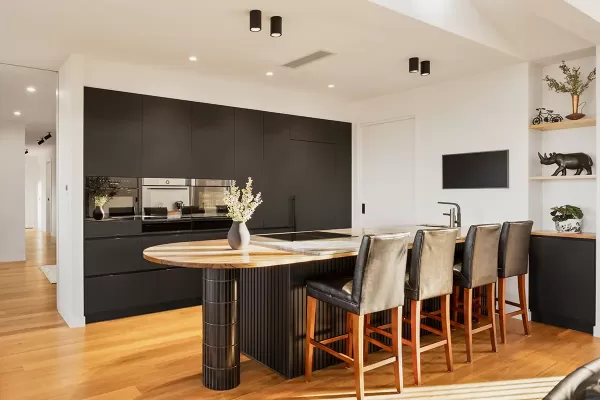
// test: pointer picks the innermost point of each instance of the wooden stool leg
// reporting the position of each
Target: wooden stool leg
(502, 308)
(446, 333)
(455, 295)
(491, 309)
(358, 326)
(476, 300)
(366, 350)
(523, 302)
(468, 316)
(311, 312)
(349, 340)
(415, 338)
(397, 346)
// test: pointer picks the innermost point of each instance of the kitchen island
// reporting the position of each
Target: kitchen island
(255, 299)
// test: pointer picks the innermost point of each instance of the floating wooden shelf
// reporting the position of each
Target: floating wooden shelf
(561, 178)
(565, 124)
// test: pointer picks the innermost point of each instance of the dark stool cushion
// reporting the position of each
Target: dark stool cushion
(334, 290)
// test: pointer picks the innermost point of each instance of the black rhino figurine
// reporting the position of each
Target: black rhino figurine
(578, 161)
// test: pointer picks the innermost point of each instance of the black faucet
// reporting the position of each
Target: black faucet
(457, 221)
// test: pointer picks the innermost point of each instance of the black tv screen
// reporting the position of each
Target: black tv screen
(488, 169)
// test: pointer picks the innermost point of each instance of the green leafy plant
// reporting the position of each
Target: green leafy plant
(101, 189)
(573, 83)
(566, 212)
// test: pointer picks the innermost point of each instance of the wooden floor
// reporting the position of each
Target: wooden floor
(158, 356)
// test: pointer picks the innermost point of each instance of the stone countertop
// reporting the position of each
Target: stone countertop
(266, 252)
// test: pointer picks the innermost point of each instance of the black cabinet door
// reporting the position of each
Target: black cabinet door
(249, 155)
(166, 144)
(112, 128)
(343, 175)
(313, 178)
(212, 141)
(113, 256)
(276, 171)
(562, 282)
(312, 129)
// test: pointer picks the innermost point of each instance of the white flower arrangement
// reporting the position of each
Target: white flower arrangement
(240, 207)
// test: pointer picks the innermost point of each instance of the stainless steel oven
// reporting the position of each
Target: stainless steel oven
(208, 209)
(163, 204)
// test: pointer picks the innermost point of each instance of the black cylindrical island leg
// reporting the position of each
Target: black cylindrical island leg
(221, 352)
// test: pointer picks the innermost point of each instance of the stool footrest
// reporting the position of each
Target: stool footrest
(379, 364)
(515, 313)
(378, 330)
(334, 339)
(433, 345)
(482, 328)
(334, 353)
(378, 343)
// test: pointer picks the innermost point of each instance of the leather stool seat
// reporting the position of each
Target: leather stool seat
(459, 278)
(333, 290)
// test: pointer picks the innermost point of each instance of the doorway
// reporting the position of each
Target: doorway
(387, 173)
(49, 196)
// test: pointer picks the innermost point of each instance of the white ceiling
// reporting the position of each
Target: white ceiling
(38, 110)
(372, 39)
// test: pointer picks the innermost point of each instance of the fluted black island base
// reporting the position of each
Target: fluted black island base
(221, 330)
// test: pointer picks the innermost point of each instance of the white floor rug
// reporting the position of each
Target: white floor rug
(50, 272)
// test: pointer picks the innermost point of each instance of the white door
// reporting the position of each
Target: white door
(49, 196)
(387, 171)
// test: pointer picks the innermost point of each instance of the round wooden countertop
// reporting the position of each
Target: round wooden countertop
(218, 254)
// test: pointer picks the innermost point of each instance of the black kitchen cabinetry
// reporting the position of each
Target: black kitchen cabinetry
(343, 175)
(249, 155)
(113, 133)
(212, 141)
(167, 138)
(562, 282)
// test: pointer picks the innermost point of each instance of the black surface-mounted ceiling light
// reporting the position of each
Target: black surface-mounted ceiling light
(425, 68)
(40, 142)
(26, 151)
(255, 21)
(276, 26)
(413, 65)
(48, 136)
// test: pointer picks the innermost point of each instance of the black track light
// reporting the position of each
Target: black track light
(255, 21)
(26, 151)
(413, 65)
(276, 26)
(40, 142)
(425, 68)
(48, 136)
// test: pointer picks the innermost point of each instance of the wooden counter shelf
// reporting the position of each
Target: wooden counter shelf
(589, 236)
(565, 124)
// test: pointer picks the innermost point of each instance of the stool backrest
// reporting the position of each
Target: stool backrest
(430, 272)
(480, 257)
(379, 273)
(513, 252)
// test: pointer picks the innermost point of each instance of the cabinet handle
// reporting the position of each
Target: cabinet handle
(363, 208)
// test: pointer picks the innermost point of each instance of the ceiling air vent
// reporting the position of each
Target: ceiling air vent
(308, 59)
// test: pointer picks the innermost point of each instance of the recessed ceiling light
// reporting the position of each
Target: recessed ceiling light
(331, 86)
(17, 113)
(193, 58)
(30, 89)
(269, 73)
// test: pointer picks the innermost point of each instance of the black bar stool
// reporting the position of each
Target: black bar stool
(513, 260)
(429, 276)
(478, 268)
(377, 285)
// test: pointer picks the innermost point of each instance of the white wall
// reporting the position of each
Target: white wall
(188, 85)
(69, 156)
(32, 191)
(12, 182)
(476, 113)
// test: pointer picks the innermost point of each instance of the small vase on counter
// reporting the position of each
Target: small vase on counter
(241, 204)
(98, 213)
(238, 236)
(567, 218)
(570, 226)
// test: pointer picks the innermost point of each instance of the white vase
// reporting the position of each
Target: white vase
(238, 236)
(572, 225)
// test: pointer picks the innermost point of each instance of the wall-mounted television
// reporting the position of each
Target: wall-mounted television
(483, 170)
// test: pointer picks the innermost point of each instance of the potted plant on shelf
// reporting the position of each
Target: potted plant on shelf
(573, 85)
(241, 204)
(102, 190)
(567, 218)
